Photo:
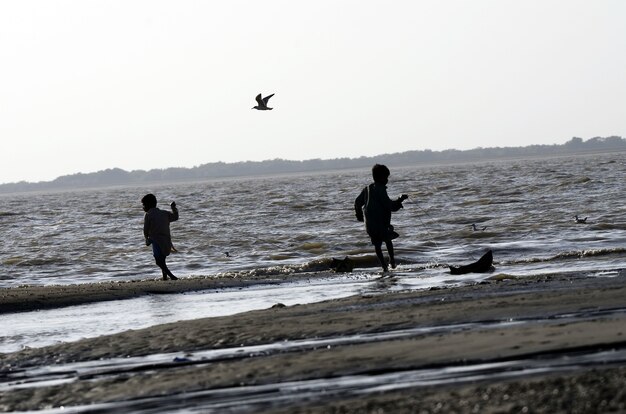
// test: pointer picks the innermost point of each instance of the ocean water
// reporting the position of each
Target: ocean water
(287, 224)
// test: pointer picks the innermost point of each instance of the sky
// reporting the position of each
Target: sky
(87, 85)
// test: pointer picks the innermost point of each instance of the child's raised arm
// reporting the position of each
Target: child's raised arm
(174, 214)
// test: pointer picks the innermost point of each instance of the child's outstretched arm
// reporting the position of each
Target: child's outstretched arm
(397, 204)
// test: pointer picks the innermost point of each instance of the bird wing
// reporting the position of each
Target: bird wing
(259, 100)
(267, 98)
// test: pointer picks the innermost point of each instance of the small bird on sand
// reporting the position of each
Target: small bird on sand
(580, 220)
(476, 228)
(262, 103)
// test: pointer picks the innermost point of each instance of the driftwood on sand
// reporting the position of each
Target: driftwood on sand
(482, 265)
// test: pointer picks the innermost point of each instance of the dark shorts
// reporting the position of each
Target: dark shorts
(156, 251)
(378, 239)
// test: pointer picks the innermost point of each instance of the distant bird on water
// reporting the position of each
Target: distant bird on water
(580, 220)
(262, 103)
(476, 228)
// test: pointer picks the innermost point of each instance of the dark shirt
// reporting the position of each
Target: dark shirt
(375, 207)
(156, 227)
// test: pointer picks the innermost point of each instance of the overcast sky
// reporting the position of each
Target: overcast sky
(141, 84)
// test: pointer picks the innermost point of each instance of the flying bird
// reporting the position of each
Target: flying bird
(262, 103)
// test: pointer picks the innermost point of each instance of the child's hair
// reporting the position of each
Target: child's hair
(149, 200)
(380, 173)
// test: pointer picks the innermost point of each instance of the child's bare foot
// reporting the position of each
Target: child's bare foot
(393, 264)
(173, 277)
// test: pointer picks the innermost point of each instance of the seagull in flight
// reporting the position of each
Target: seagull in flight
(262, 103)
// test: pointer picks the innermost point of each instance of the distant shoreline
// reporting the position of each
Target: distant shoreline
(117, 177)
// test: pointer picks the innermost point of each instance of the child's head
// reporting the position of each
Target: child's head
(149, 201)
(380, 173)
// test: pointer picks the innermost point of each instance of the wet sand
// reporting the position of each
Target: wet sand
(538, 301)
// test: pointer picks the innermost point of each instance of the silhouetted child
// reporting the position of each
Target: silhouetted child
(374, 206)
(156, 230)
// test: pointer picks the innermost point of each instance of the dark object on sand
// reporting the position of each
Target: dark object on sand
(482, 265)
(342, 265)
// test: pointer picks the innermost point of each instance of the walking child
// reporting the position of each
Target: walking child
(156, 230)
(374, 207)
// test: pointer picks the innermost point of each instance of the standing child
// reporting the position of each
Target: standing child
(377, 206)
(156, 230)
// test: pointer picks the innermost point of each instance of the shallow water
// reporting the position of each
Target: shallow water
(286, 224)
(25, 329)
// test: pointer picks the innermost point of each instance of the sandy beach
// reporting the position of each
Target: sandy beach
(495, 321)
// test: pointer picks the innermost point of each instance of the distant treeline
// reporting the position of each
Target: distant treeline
(117, 176)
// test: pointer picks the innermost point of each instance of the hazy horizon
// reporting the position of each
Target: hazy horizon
(266, 160)
(111, 175)
(140, 84)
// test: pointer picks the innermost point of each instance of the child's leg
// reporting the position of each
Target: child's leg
(392, 259)
(379, 253)
(169, 273)
(160, 261)
(159, 258)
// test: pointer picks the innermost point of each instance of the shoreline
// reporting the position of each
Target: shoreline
(26, 298)
(537, 302)
(37, 297)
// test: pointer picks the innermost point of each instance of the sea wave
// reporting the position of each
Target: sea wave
(608, 226)
(8, 214)
(577, 254)
(35, 262)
